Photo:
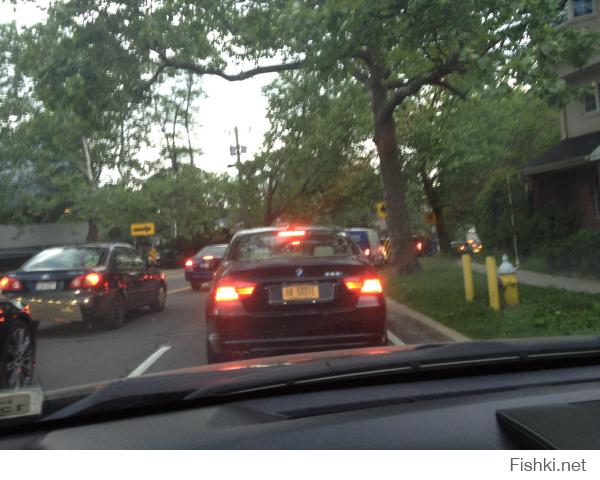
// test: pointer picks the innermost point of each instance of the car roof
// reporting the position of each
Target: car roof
(94, 245)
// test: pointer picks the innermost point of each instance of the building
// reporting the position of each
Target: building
(568, 173)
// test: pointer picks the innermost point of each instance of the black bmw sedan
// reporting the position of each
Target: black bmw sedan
(17, 344)
(94, 283)
(293, 290)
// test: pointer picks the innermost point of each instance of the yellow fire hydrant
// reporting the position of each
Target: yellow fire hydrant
(508, 281)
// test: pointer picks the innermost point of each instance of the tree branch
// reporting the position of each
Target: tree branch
(200, 70)
(414, 85)
(448, 86)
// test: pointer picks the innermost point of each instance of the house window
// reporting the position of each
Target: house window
(596, 194)
(582, 7)
(591, 99)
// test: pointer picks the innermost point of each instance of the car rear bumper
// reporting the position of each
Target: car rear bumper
(64, 307)
(254, 335)
(199, 275)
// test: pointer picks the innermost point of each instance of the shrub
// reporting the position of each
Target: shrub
(577, 253)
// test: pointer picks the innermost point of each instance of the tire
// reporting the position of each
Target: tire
(196, 286)
(116, 317)
(161, 298)
(17, 356)
(212, 356)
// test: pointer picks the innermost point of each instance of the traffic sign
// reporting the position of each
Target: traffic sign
(142, 229)
(380, 210)
(430, 218)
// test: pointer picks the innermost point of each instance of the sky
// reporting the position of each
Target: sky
(225, 106)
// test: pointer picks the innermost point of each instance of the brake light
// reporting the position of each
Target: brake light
(366, 286)
(88, 280)
(371, 285)
(419, 246)
(1, 315)
(367, 251)
(230, 290)
(292, 233)
(207, 257)
(189, 262)
(10, 284)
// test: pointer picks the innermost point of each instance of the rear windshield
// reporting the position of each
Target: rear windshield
(215, 250)
(361, 238)
(312, 244)
(61, 258)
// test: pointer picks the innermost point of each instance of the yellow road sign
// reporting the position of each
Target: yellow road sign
(142, 229)
(430, 218)
(380, 210)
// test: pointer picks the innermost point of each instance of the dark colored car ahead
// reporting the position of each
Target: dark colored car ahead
(368, 241)
(293, 290)
(200, 269)
(17, 344)
(94, 283)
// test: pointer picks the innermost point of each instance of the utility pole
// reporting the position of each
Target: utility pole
(512, 220)
(238, 163)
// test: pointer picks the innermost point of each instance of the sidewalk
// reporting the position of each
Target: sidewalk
(556, 281)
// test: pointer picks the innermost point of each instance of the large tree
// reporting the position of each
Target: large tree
(393, 48)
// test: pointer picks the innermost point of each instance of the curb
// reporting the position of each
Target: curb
(429, 323)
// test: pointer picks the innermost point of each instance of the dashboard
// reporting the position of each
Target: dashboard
(442, 413)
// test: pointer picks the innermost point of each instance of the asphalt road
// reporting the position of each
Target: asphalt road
(69, 355)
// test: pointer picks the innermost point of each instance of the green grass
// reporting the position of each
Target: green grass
(438, 292)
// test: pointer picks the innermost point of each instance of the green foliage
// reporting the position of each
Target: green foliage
(576, 253)
(535, 228)
(438, 292)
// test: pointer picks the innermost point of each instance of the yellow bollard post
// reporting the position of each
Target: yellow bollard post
(492, 281)
(468, 276)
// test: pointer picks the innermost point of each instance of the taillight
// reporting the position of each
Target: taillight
(367, 251)
(230, 290)
(10, 284)
(371, 285)
(366, 286)
(189, 262)
(88, 280)
(292, 233)
(419, 246)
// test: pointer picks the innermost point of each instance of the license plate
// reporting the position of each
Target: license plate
(205, 265)
(45, 286)
(302, 291)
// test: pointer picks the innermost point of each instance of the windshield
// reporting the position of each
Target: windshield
(212, 250)
(63, 258)
(261, 246)
(220, 184)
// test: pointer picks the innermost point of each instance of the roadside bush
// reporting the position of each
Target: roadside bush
(578, 253)
(535, 228)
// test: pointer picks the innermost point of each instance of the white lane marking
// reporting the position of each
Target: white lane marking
(178, 290)
(146, 364)
(394, 339)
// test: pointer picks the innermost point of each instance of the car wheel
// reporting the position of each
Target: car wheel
(195, 286)
(116, 316)
(161, 299)
(17, 356)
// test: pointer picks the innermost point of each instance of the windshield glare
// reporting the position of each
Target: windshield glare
(64, 258)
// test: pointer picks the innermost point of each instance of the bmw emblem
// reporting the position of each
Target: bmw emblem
(299, 272)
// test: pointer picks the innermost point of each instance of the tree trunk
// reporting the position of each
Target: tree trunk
(435, 204)
(93, 234)
(403, 254)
